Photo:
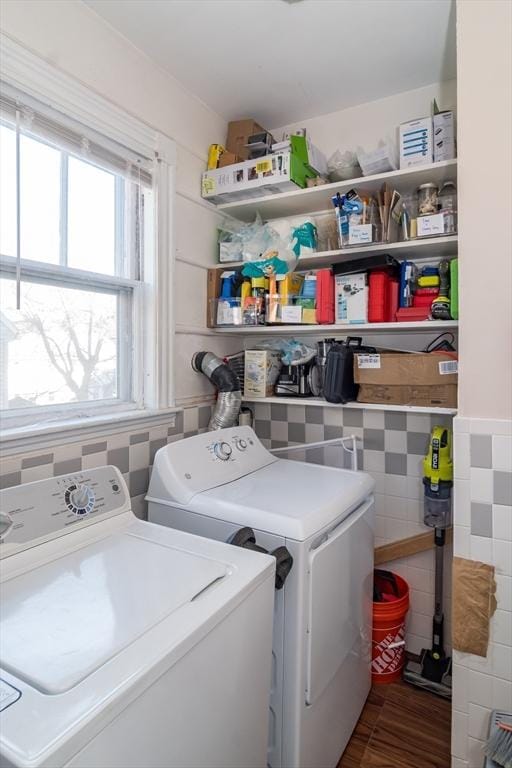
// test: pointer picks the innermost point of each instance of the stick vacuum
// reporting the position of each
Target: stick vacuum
(433, 672)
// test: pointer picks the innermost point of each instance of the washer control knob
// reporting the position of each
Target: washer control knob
(222, 451)
(5, 524)
(79, 499)
(241, 444)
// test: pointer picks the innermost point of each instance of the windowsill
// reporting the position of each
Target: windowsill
(18, 439)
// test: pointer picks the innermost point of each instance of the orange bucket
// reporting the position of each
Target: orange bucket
(388, 636)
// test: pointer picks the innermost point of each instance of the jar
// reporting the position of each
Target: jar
(448, 205)
(448, 196)
(427, 199)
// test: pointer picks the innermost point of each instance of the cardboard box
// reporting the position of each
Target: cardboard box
(444, 136)
(262, 368)
(416, 142)
(406, 368)
(351, 298)
(271, 174)
(227, 158)
(429, 396)
(407, 379)
(238, 136)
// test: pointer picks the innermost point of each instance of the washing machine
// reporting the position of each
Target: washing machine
(123, 644)
(216, 483)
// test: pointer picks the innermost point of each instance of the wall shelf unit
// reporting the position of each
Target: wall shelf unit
(315, 199)
(426, 326)
(320, 402)
(422, 248)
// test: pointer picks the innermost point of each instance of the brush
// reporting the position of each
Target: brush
(499, 743)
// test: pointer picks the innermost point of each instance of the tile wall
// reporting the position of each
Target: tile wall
(132, 451)
(483, 531)
(391, 449)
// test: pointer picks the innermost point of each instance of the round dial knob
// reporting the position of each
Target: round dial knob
(79, 499)
(5, 524)
(241, 444)
(222, 451)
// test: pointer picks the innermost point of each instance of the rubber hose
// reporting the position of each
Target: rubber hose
(227, 408)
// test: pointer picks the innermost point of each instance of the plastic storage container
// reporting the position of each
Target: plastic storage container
(236, 312)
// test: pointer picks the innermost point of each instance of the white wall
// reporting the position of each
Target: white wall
(77, 41)
(365, 124)
(483, 430)
(484, 29)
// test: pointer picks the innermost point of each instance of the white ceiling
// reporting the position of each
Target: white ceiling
(282, 62)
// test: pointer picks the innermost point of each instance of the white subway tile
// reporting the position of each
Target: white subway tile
(461, 456)
(501, 694)
(415, 644)
(461, 541)
(373, 419)
(501, 627)
(480, 688)
(491, 426)
(91, 460)
(374, 461)
(461, 502)
(414, 488)
(502, 452)
(478, 721)
(396, 485)
(395, 441)
(459, 734)
(460, 690)
(502, 661)
(502, 553)
(481, 484)
(503, 592)
(502, 522)
(414, 465)
(475, 753)
(481, 549)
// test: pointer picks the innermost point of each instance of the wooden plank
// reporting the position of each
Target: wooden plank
(407, 547)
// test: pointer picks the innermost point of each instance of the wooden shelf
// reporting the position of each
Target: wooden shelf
(426, 248)
(425, 326)
(320, 402)
(316, 199)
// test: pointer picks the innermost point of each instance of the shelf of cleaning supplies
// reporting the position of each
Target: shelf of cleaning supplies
(424, 248)
(425, 326)
(314, 199)
(320, 402)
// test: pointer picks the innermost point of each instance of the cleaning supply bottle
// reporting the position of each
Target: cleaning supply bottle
(438, 480)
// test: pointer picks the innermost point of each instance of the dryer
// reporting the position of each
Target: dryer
(123, 644)
(218, 482)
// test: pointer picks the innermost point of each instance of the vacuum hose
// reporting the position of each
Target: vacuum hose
(225, 413)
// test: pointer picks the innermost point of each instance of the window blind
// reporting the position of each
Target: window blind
(41, 121)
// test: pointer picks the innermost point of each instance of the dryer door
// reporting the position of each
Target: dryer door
(340, 600)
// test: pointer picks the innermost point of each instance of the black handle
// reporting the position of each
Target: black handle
(245, 538)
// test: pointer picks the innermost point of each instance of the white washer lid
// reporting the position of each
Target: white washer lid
(289, 498)
(63, 620)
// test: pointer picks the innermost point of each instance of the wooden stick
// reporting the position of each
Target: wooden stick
(407, 547)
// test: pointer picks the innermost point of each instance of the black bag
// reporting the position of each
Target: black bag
(339, 385)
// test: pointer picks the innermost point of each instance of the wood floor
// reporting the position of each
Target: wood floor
(400, 727)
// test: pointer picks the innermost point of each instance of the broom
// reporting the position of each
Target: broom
(499, 743)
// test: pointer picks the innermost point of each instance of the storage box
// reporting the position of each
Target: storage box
(407, 379)
(416, 145)
(262, 368)
(281, 172)
(444, 136)
(238, 136)
(351, 298)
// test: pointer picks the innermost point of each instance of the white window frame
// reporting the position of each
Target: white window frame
(152, 322)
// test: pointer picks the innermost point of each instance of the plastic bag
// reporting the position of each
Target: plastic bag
(293, 351)
(266, 249)
(343, 166)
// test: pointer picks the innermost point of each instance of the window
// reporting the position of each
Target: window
(76, 237)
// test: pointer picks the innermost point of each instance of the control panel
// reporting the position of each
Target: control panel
(45, 509)
(206, 461)
(230, 447)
